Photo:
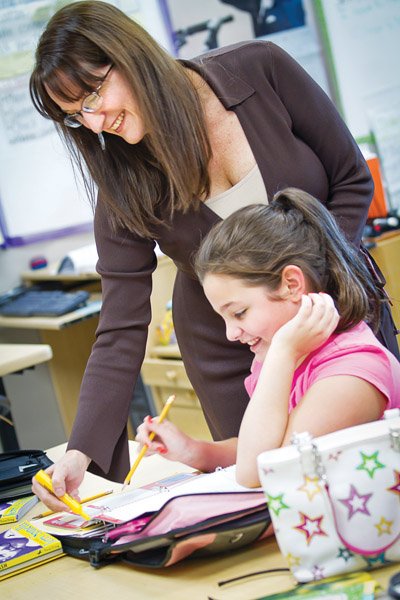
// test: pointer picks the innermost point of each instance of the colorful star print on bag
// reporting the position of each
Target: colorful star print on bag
(335, 500)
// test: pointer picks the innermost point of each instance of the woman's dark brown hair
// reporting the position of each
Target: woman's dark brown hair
(257, 242)
(170, 164)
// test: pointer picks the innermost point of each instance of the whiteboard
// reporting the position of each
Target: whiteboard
(39, 194)
(362, 39)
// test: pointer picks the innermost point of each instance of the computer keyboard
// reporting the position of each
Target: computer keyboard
(50, 303)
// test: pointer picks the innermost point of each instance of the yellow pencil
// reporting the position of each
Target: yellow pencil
(88, 499)
(45, 480)
(152, 435)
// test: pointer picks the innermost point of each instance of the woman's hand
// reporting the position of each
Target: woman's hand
(67, 475)
(169, 441)
(314, 323)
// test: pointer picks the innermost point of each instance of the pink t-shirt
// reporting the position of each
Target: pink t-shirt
(355, 352)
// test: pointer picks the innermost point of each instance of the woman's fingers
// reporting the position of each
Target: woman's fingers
(47, 497)
(66, 476)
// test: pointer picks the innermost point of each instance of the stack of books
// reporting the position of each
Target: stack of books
(13, 510)
(24, 547)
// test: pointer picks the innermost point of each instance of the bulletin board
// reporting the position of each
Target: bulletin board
(40, 197)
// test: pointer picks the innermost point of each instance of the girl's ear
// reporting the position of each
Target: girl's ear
(293, 284)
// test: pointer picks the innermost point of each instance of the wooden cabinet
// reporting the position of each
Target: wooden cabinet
(167, 373)
(387, 254)
(163, 369)
(166, 377)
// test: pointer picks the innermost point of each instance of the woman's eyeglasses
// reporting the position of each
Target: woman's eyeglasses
(90, 104)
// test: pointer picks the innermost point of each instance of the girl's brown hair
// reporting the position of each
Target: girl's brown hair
(255, 244)
(170, 164)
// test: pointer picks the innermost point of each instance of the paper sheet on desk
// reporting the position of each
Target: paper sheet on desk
(121, 507)
(125, 506)
(81, 260)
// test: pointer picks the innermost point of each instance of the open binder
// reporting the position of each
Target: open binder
(192, 525)
(189, 514)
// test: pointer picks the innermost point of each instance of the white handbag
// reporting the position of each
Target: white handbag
(335, 500)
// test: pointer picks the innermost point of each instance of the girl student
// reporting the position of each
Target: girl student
(289, 286)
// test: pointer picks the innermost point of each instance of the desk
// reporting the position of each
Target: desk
(162, 369)
(197, 579)
(28, 412)
(71, 337)
(16, 357)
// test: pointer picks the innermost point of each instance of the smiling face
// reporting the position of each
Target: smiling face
(118, 114)
(250, 313)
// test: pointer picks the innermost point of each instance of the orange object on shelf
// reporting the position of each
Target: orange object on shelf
(379, 206)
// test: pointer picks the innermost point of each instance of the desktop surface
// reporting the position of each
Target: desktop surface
(16, 357)
(196, 579)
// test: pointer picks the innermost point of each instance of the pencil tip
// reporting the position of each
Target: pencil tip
(85, 516)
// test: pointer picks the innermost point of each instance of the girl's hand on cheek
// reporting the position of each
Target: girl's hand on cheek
(314, 323)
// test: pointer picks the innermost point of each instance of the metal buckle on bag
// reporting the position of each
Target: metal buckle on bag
(394, 435)
(394, 432)
(319, 467)
(23, 468)
(310, 458)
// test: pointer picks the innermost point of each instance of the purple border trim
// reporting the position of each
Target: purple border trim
(12, 242)
(48, 235)
(3, 228)
(168, 23)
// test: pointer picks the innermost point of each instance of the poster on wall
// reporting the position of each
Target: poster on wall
(202, 26)
(40, 196)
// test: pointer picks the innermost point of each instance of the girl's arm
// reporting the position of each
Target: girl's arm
(331, 403)
(174, 444)
(265, 422)
(334, 403)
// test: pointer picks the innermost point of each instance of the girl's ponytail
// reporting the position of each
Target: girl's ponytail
(256, 243)
(346, 276)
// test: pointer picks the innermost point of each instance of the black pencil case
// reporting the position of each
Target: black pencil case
(17, 469)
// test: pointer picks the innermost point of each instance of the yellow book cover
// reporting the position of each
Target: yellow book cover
(25, 546)
(14, 510)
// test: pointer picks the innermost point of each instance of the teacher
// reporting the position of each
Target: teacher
(172, 147)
